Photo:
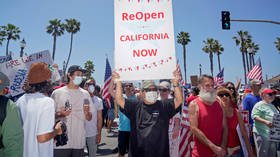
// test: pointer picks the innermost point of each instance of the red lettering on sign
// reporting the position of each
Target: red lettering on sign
(142, 16)
(144, 52)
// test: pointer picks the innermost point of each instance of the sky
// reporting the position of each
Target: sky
(95, 41)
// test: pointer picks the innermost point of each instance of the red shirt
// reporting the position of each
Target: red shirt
(233, 139)
(210, 122)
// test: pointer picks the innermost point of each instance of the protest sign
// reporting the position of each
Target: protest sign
(274, 133)
(5, 58)
(144, 39)
(17, 69)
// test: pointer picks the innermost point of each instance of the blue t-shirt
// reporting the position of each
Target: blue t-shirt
(124, 122)
(248, 103)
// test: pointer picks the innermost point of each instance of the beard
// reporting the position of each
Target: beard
(208, 96)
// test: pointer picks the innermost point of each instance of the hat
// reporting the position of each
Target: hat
(268, 91)
(255, 82)
(147, 83)
(38, 72)
(4, 81)
(164, 85)
(247, 90)
(74, 68)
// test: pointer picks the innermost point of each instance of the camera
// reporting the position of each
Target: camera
(68, 106)
(62, 139)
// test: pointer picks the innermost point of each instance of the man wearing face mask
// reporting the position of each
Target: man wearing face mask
(94, 126)
(149, 118)
(73, 107)
(208, 121)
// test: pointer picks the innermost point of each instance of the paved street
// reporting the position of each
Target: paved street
(109, 141)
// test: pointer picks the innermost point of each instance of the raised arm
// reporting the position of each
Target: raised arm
(118, 94)
(177, 89)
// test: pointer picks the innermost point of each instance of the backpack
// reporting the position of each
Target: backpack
(3, 112)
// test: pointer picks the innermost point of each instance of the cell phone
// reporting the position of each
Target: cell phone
(68, 106)
(86, 102)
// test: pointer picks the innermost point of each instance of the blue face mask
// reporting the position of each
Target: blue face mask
(78, 80)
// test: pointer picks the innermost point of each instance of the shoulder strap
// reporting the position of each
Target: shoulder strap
(3, 108)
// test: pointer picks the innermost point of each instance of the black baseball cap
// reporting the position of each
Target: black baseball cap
(74, 68)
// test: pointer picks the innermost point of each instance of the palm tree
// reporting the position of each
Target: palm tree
(2, 35)
(252, 50)
(218, 50)
(210, 49)
(183, 38)
(72, 26)
(89, 66)
(241, 39)
(277, 44)
(56, 28)
(11, 32)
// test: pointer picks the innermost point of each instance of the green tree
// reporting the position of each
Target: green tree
(72, 26)
(218, 48)
(89, 66)
(183, 38)
(11, 32)
(277, 44)
(252, 50)
(2, 35)
(55, 28)
(242, 39)
(210, 49)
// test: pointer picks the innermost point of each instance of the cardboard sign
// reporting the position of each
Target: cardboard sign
(274, 133)
(144, 39)
(17, 69)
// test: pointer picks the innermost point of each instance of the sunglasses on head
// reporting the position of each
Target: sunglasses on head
(163, 90)
(224, 94)
(150, 89)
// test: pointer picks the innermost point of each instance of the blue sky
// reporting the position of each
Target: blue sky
(96, 37)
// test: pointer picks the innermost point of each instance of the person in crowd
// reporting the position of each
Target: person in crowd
(72, 106)
(193, 94)
(149, 117)
(262, 114)
(37, 112)
(11, 132)
(234, 119)
(208, 121)
(248, 103)
(276, 101)
(110, 114)
(174, 122)
(94, 126)
(230, 86)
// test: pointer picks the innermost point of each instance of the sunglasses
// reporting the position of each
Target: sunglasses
(231, 88)
(150, 89)
(224, 94)
(163, 90)
(270, 94)
(128, 86)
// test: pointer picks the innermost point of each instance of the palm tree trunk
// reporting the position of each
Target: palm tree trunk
(211, 62)
(7, 47)
(54, 45)
(185, 66)
(247, 61)
(69, 51)
(219, 62)
(253, 59)
(244, 66)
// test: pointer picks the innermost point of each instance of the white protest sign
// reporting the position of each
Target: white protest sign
(17, 69)
(274, 133)
(144, 39)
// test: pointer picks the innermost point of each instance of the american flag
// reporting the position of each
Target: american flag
(108, 75)
(185, 133)
(256, 72)
(219, 79)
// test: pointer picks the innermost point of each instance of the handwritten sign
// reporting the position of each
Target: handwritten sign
(144, 39)
(17, 70)
(274, 133)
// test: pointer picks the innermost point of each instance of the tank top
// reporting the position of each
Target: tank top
(210, 122)
(233, 139)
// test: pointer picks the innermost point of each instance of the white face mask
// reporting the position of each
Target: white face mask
(78, 80)
(91, 88)
(151, 96)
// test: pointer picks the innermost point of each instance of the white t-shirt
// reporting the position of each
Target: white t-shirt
(91, 126)
(37, 112)
(75, 122)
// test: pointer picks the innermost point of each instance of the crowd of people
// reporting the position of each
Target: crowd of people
(61, 120)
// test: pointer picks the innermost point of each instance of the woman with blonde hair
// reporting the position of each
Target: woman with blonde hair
(234, 118)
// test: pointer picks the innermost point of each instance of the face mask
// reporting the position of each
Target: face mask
(78, 80)
(151, 96)
(91, 88)
(209, 96)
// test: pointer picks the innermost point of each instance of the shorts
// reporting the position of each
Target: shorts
(111, 114)
(123, 142)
